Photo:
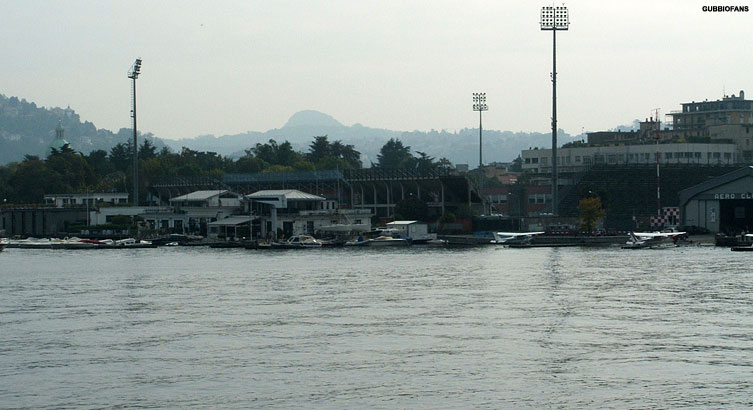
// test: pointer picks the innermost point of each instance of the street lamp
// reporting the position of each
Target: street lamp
(134, 74)
(479, 104)
(554, 19)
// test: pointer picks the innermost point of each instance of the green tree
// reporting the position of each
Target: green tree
(412, 209)
(318, 149)
(99, 163)
(346, 153)
(32, 180)
(249, 164)
(147, 150)
(394, 155)
(517, 165)
(121, 156)
(590, 211)
(73, 169)
(274, 154)
(424, 162)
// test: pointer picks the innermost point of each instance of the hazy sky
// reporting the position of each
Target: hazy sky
(225, 67)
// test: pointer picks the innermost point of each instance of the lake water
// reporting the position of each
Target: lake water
(485, 327)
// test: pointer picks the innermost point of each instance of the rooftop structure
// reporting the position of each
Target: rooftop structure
(90, 198)
(59, 142)
(210, 198)
(729, 110)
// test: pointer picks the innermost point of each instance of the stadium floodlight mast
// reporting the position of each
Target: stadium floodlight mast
(133, 74)
(554, 19)
(479, 104)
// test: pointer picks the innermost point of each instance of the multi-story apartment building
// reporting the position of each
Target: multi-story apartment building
(703, 133)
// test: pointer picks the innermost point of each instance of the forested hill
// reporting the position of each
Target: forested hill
(26, 129)
(458, 146)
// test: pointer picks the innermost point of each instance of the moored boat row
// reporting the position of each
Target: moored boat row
(78, 243)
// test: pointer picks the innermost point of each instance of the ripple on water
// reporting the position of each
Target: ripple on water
(484, 327)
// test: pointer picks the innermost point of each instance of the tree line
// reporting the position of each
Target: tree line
(67, 171)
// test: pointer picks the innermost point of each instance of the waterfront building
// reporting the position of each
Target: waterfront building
(702, 133)
(577, 159)
(39, 221)
(721, 204)
(377, 190)
(293, 212)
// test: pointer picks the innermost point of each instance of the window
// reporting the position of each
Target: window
(717, 155)
(727, 155)
(577, 159)
(612, 158)
(667, 155)
(697, 154)
(544, 161)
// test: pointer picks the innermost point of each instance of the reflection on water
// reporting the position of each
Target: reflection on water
(482, 327)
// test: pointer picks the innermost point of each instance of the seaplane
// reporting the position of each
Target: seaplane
(509, 238)
(640, 240)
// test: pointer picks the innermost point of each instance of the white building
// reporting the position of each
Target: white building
(92, 199)
(295, 212)
(411, 229)
(581, 158)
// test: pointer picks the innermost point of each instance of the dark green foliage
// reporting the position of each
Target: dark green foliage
(412, 209)
(394, 155)
(68, 171)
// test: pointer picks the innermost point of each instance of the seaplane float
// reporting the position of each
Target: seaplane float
(640, 240)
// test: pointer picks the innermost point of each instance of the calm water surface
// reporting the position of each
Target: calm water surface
(355, 328)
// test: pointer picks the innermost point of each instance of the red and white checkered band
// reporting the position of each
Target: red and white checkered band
(672, 211)
(658, 220)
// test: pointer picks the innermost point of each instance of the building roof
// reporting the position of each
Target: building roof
(400, 223)
(231, 221)
(289, 194)
(88, 195)
(199, 195)
(688, 193)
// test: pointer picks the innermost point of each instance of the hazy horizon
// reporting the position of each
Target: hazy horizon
(230, 67)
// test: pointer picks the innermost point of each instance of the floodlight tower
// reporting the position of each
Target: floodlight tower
(479, 104)
(134, 74)
(554, 19)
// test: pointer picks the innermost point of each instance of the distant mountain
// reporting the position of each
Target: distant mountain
(302, 127)
(26, 129)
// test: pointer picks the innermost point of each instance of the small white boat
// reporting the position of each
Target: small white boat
(298, 241)
(388, 241)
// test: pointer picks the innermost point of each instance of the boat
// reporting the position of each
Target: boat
(360, 241)
(131, 243)
(388, 241)
(3, 244)
(298, 242)
(52, 243)
(745, 248)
